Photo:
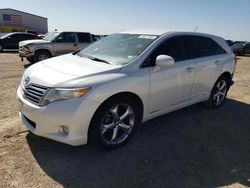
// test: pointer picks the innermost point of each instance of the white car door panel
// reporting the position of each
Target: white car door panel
(171, 86)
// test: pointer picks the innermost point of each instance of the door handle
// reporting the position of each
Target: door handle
(75, 44)
(189, 69)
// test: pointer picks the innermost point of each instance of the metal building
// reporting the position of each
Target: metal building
(14, 20)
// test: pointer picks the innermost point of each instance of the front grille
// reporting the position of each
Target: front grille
(34, 93)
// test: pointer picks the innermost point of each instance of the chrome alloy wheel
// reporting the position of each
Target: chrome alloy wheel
(220, 92)
(117, 124)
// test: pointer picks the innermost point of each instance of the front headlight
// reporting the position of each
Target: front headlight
(63, 94)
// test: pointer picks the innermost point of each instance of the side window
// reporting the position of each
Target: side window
(175, 47)
(66, 37)
(218, 49)
(200, 46)
(83, 37)
(30, 36)
(14, 36)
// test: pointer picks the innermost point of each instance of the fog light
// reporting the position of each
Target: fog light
(64, 130)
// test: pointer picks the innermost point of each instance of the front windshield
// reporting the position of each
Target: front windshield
(51, 36)
(118, 48)
(6, 35)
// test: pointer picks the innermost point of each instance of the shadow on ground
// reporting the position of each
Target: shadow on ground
(193, 147)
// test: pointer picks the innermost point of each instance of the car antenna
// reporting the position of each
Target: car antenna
(196, 28)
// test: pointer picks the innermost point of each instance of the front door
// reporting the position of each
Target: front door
(65, 43)
(171, 86)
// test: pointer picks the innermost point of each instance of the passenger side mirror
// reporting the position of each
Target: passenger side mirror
(164, 60)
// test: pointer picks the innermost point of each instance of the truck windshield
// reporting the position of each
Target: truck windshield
(118, 48)
(50, 36)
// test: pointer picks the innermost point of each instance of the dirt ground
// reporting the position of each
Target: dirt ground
(192, 147)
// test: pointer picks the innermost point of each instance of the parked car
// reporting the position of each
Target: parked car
(33, 32)
(11, 40)
(103, 92)
(240, 48)
(53, 44)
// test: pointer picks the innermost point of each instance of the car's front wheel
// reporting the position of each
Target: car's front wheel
(219, 92)
(114, 122)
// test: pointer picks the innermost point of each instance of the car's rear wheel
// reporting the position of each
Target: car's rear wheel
(41, 55)
(114, 122)
(219, 92)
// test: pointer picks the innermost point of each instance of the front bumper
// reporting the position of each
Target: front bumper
(46, 121)
(24, 53)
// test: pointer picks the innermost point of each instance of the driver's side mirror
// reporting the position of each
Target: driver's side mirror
(164, 60)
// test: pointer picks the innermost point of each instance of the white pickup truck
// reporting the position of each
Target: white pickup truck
(55, 43)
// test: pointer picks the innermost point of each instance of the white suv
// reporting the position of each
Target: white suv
(104, 91)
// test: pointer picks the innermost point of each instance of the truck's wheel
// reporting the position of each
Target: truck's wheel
(31, 59)
(41, 55)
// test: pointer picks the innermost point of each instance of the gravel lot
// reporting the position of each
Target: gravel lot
(193, 147)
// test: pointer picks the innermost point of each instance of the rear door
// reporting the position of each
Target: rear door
(171, 86)
(208, 57)
(84, 39)
(65, 43)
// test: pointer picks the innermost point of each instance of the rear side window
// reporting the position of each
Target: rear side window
(83, 37)
(200, 46)
(217, 48)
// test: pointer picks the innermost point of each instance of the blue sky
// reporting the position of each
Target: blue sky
(227, 18)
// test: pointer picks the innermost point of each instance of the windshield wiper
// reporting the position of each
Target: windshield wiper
(96, 59)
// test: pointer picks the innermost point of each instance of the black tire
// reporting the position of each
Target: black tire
(41, 55)
(30, 59)
(100, 116)
(1, 48)
(212, 102)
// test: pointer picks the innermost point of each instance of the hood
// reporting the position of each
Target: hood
(35, 41)
(66, 71)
